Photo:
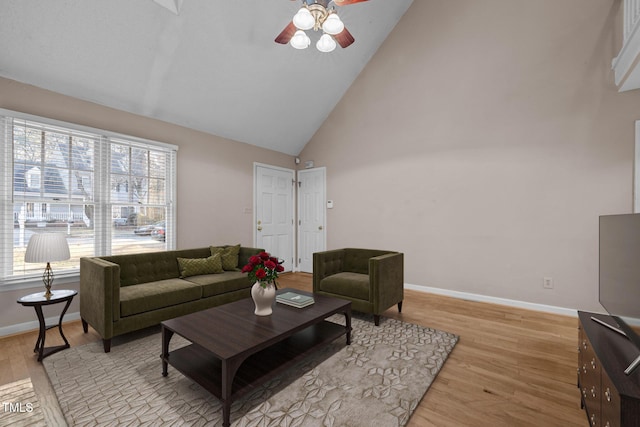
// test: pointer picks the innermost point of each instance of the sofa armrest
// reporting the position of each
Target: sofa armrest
(325, 264)
(386, 280)
(100, 294)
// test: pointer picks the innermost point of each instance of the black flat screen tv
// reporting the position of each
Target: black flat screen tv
(619, 274)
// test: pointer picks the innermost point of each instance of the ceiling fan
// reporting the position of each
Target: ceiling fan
(318, 15)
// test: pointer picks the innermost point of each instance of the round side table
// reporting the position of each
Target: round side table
(38, 300)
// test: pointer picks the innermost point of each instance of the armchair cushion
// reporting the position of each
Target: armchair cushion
(354, 285)
(357, 260)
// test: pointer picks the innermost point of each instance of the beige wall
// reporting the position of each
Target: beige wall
(215, 175)
(483, 140)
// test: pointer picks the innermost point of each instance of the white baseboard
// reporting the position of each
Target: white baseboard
(35, 325)
(31, 326)
(494, 300)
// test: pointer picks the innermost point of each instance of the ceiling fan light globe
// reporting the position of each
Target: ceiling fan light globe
(326, 43)
(300, 40)
(303, 20)
(333, 25)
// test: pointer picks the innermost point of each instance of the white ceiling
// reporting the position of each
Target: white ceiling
(213, 67)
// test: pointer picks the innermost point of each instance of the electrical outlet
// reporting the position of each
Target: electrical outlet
(547, 282)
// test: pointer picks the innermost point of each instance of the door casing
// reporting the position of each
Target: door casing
(289, 175)
(312, 218)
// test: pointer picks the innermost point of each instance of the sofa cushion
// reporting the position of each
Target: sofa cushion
(354, 285)
(216, 284)
(196, 266)
(150, 296)
(229, 256)
(152, 266)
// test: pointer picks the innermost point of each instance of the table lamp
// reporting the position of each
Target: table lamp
(47, 247)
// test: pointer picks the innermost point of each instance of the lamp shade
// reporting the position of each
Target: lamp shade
(333, 25)
(47, 247)
(303, 20)
(326, 43)
(300, 40)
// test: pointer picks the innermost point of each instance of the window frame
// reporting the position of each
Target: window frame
(103, 221)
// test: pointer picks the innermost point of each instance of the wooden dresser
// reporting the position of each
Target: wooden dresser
(609, 397)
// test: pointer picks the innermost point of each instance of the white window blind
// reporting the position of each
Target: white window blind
(110, 194)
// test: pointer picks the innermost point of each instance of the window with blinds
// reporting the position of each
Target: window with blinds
(109, 194)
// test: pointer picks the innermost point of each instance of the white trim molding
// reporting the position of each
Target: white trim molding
(35, 325)
(494, 300)
(626, 65)
(636, 172)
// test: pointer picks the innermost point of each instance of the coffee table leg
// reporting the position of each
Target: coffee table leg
(347, 318)
(166, 337)
(229, 370)
(227, 381)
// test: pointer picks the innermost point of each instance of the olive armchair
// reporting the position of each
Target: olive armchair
(373, 280)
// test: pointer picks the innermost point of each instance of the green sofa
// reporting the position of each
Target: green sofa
(124, 293)
(373, 280)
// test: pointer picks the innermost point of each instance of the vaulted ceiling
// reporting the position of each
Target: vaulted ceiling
(213, 66)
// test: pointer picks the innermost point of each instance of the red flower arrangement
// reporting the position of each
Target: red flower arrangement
(263, 268)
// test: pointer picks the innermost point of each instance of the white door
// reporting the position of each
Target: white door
(311, 216)
(274, 228)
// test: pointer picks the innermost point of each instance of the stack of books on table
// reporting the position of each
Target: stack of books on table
(294, 299)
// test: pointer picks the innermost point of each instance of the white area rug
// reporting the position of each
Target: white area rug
(376, 381)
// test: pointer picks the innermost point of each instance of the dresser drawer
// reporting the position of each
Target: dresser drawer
(610, 403)
(590, 382)
(610, 397)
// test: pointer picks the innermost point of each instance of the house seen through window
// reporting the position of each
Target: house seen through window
(109, 194)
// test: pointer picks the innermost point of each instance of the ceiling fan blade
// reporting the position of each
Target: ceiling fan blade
(347, 2)
(285, 36)
(344, 38)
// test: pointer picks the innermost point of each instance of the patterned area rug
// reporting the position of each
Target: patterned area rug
(20, 406)
(376, 381)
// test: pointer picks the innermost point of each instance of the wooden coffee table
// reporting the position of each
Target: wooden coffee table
(233, 350)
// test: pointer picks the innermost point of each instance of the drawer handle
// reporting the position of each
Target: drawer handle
(593, 391)
(584, 392)
(584, 344)
(608, 424)
(593, 363)
(593, 420)
(607, 394)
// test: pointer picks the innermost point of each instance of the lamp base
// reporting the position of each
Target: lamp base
(47, 278)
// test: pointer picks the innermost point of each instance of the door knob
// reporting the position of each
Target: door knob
(320, 227)
(259, 228)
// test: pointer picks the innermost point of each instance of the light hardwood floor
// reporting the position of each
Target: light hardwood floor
(511, 367)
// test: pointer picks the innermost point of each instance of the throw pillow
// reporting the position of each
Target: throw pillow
(229, 255)
(199, 266)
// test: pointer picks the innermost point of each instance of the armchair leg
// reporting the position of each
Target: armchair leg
(107, 345)
(400, 307)
(85, 326)
(376, 319)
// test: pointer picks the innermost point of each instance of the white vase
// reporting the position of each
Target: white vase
(263, 298)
